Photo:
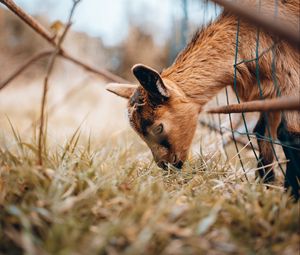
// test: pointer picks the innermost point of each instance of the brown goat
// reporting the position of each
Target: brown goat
(164, 109)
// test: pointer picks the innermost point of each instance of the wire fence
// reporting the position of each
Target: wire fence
(280, 104)
(273, 25)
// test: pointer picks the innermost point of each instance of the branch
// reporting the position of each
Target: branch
(46, 83)
(51, 110)
(36, 26)
(29, 20)
(101, 72)
(280, 28)
(287, 103)
(24, 67)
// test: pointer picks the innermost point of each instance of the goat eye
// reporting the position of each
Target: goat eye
(158, 129)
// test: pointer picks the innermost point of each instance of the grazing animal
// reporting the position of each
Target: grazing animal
(164, 108)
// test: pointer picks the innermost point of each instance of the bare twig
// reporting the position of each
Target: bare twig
(291, 103)
(35, 25)
(29, 20)
(46, 81)
(101, 72)
(43, 105)
(278, 27)
(68, 96)
(24, 67)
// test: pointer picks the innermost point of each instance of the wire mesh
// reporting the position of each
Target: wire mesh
(267, 136)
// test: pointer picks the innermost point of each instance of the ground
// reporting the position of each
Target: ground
(99, 191)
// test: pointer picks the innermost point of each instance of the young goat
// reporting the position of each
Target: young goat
(164, 108)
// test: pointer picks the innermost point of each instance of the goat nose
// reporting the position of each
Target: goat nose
(179, 164)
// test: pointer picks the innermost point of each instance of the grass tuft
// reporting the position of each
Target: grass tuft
(112, 199)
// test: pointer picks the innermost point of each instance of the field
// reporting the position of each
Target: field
(106, 196)
(92, 186)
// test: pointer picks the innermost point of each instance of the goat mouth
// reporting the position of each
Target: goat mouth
(164, 164)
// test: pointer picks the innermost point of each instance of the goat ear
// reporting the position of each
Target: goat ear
(122, 90)
(150, 81)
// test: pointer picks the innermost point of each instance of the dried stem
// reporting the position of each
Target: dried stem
(58, 51)
(43, 105)
(36, 26)
(29, 20)
(53, 108)
(46, 83)
(25, 66)
(101, 72)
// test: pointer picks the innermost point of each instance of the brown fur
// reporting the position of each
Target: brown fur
(206, 65)
(203, 69)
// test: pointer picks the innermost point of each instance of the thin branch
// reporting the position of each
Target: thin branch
(25, 66)
(46, 82)
(35, 25)
(101, 72)
(287, 103)
(51, 110)
(280, 28)
(29, 20)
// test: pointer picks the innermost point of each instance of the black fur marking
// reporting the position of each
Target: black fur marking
(144, 124)
(165, 143)
(293, 155)
(151, 82)
(136, 98)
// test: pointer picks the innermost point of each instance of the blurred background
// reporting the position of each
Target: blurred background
(113, 35)
(102, 191)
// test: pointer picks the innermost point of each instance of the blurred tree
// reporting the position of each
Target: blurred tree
(184, 23)
(180, 30)
(139, 47)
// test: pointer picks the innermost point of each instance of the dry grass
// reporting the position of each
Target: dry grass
(109, 198)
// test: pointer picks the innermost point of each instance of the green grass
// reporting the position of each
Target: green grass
(110, 198)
